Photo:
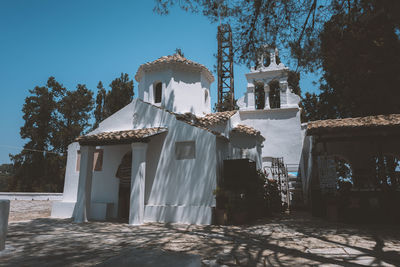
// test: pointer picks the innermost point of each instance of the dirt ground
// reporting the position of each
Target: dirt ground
(286, 240)
(21, 210)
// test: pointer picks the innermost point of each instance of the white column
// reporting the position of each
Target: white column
(138, 174)
(82, 206)
(251, 100)
(266, 96)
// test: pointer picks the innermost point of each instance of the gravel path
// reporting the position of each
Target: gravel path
(287, 240)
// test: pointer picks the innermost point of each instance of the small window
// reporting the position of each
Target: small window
(205, 96)
(157, 92)
(97, 160)
(185, 150)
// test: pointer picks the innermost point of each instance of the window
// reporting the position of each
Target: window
(205, 96)
(157, 92)
(259, 95)
(274, 94)
(97, 160)
(185, 150)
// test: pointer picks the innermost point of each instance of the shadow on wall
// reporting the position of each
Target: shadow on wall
(185, 181)
(153, 155)
(186, 77)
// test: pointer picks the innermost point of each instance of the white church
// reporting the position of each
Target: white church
(159, 158)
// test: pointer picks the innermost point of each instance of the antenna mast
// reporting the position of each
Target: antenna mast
(225, 69)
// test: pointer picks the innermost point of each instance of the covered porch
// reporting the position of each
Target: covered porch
(355, 172)
(138, 140)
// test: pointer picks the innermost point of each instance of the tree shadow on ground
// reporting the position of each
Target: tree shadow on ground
(281, 241)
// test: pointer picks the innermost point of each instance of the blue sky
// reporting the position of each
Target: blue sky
(88, 41)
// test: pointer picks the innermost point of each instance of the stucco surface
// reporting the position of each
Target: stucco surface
(281, 129)
(175, 190)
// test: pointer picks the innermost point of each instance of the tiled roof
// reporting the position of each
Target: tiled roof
(208, 119)
(120, 137)
(188, 118)
(173, 59)
(240, 128)
(217, 117)
(370, 122)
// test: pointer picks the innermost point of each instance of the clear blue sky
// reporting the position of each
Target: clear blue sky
(88, 41)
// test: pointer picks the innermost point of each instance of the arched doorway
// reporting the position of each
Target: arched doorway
(124, 193)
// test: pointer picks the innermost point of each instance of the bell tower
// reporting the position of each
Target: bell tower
(267, 86)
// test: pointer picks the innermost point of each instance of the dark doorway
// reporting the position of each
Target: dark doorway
(124, 195)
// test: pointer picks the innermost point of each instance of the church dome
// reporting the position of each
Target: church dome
(173, 60)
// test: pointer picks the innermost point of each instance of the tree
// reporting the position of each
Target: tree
(99, 109)
(38, 128)
(290, 24)
(360, 52)
(225, 104)
(74, 109)
(360, 58)
(120, 95)
(54, 117)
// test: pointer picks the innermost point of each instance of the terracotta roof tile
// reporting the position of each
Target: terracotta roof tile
(369, 122)
(240, 128)
(208, 119)
(217, 117)
(173, 59)
(120, 137)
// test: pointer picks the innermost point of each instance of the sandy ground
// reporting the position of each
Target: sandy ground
(287, 240)
(21, 210)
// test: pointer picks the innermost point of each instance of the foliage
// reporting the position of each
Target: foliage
(354, 42)
(359, 52)
(6, 174)
(74, 114)
(272, 197)
(225, 104)
(361, 71)
(99, 109)
(53, 117)
(290, 23)
(120, 95)
(294, 82)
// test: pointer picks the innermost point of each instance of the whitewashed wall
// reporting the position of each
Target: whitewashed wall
(176, 190)
(281, 129)
(183, 90)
